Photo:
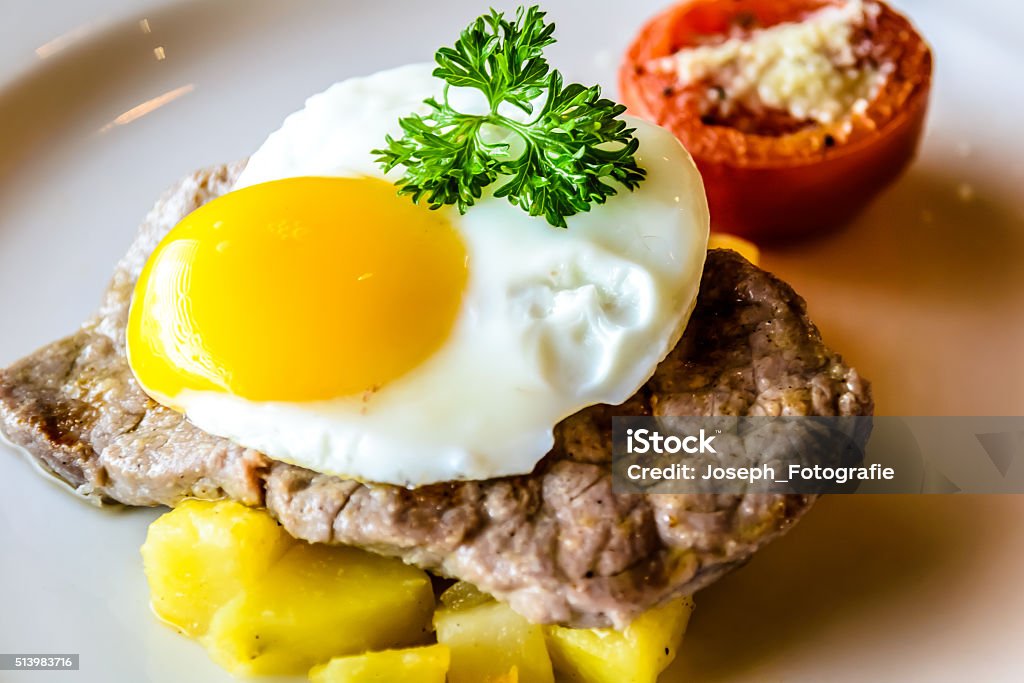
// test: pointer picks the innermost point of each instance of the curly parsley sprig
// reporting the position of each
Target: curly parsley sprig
(570, 147)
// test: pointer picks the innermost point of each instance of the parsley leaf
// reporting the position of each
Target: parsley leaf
(555, 164)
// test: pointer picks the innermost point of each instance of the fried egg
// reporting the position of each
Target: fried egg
(316, 316)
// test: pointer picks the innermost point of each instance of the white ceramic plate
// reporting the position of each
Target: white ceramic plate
(923, 294)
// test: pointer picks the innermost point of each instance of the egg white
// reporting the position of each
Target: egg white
(552, 320)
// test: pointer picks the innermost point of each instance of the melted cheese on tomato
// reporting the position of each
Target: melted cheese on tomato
(807, 69)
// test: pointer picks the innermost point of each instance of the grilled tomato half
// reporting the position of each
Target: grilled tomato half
(797, 112)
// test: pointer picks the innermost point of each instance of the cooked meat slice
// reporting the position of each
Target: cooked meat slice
(557, 544)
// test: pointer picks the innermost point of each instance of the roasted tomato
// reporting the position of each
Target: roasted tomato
(773, 172)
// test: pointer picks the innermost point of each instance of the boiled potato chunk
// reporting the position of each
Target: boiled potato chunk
(317, 602)
(636, 655)
(491, 644)
(262, 602)
(744, 248)
(201, 554)
(463, 595)
(419, 664)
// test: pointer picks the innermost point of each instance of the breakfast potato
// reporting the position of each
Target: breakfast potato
(489, 642)
(421, 664)
(262, 602)
(744, 248)
(463, 595)
(636, 655)
(317, 602)
(200, 555)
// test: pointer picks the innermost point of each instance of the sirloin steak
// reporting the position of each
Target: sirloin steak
(556, 544)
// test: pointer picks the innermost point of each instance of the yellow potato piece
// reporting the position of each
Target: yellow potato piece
(262, 602)
(636, 655)
(511, 677)
(419, 664)
(463, 595)
(319, 602)
(200, 555)
(746, 249)
(490, 643)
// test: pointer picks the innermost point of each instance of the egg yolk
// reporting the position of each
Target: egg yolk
(301, 289)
